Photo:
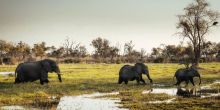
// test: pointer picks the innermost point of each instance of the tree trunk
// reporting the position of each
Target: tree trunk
(196, 57)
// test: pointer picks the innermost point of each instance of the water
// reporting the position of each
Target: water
(203, 92)
(164, 101)
(17, 107)
(7, 73)
(14, 107)
(169, 91)
(89, 102)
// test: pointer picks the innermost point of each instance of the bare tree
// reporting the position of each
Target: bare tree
(196, 23)
(72, 48)
(68, 45)
(142, 53)
(128, 48)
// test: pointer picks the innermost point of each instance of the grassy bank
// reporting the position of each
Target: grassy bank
(88, 78)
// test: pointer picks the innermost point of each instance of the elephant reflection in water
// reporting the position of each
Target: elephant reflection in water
(187, 92)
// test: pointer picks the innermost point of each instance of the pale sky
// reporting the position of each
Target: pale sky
(148, 23)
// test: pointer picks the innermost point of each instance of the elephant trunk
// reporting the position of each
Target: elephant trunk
(148, 76)
(199, 80)
(59, 75)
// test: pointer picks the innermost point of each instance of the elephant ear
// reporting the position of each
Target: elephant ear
(138, 68)
(46, 66)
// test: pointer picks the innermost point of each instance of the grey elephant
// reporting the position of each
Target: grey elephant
(187, 75)
(32, 71)
(130, 73)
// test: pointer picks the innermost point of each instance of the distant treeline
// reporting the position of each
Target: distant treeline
(72, 52)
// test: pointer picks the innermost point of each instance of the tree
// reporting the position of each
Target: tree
(102, 47)
(82, 51)
(58, 53)
(169, 52)
(208, 50)
(3, 47)
(114, 52)
(68, 46)
(23, 50)
(131, 54)
(142, 53)
(128, 48)
(196, 23)
(40, 49)
(156, 52)
(217, 49)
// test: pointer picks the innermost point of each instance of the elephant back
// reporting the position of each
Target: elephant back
(180, 72)
(125, 69)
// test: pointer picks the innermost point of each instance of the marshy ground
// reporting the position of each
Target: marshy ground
(81, 79)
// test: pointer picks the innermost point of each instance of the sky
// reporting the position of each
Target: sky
(148, 23)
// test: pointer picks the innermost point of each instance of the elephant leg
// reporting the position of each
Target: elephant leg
(17, 81)
(126, 81)
(44, 78)
(120, 80)
(178, 82)
(41, 82)
(138, 80)
(148, 76)
(47, 81)
(141, 79)
(191, 80)
(187, 82)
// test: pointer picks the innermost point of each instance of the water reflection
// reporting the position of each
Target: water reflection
(188, 92)
(195, 91)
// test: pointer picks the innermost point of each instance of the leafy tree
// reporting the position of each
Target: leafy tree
(82, 51)
(208, 50)
(102, 47)
(196, 23)
(23, 50)
(128, 48)
(40, 49)
(156, 52)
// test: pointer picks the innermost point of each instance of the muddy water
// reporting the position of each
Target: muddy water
(89, 102)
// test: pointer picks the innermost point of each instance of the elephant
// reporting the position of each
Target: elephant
(186, 74)
(32, 71)
(130, 73)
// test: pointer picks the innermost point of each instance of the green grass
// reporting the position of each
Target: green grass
(87, 78)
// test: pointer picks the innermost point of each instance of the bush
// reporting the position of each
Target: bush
(9, 61)
(1, 61)
(159, 60)
(72, 60)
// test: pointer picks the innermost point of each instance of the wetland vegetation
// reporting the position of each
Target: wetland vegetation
(81, 79)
